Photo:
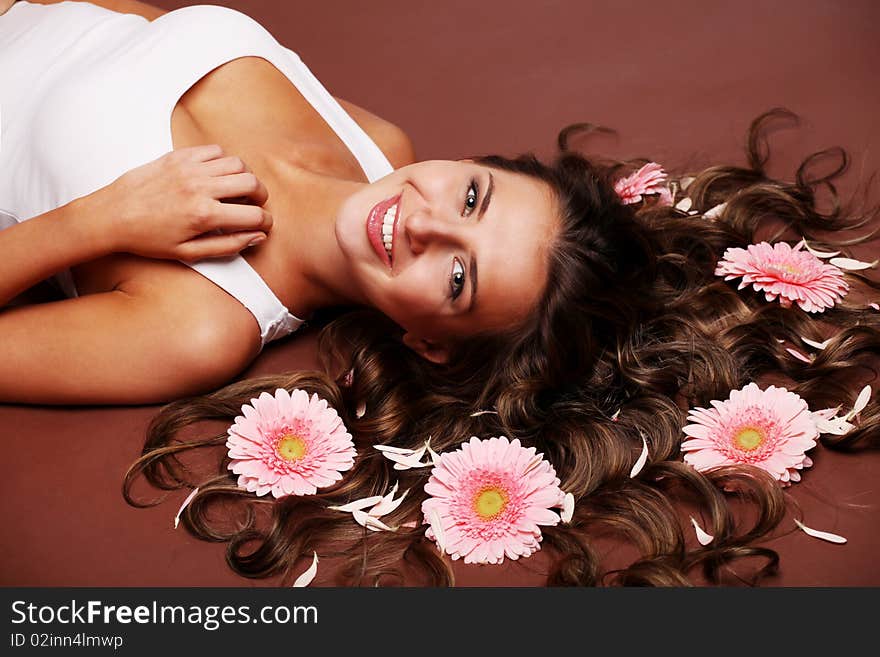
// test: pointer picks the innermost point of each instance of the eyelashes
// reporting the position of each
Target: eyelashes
(457, 277)
(470, 201)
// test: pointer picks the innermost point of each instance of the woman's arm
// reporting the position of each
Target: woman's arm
(169, 208)
(122, 6)
(37, 248)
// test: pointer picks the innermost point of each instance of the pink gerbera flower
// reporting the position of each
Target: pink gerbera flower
(488, 498)
(288, 444)
(770, 429)
(650, 179)
(788, 273)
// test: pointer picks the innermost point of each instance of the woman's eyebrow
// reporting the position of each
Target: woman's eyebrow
(473, 266)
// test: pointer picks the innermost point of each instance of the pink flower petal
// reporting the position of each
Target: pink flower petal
(649, 179)
(489, 498)
(770, 429)
(791, 275)
(288, 443)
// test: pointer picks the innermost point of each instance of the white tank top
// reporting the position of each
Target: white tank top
(86, 94)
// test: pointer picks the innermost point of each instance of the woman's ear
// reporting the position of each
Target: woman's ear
(432, 351)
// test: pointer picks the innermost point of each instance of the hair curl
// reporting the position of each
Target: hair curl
(632, 318)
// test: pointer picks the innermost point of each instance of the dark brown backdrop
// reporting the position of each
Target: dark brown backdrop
(679, 80)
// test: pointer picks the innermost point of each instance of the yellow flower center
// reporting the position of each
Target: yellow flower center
(489, 502)
(786, 267)
(291, 447)
(749, 439)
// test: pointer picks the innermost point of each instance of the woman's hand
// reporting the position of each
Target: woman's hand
(171, 208)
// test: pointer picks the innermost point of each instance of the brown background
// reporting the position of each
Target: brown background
(679, 80)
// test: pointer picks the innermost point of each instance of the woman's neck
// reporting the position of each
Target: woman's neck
(304, 205)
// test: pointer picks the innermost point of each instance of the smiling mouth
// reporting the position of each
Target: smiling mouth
(381, 224)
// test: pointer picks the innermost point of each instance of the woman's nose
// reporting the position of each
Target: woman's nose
(422, 228)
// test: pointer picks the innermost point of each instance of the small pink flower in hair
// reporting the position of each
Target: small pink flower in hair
(786, 273)
(288, 444)
(650, 179)
(770, 429)
(488, 499)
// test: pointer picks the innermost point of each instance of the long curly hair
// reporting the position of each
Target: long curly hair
(633, 319)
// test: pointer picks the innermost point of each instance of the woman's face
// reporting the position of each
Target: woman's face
(455, 224)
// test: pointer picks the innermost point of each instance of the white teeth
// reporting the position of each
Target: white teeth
(388, 228)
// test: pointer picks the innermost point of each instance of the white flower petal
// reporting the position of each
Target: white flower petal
(435, 457)
(819, 254)
(852, 265)
(408, 460)
(408, 465)
(837, 426)
(483, 413)
(368, 521)
(686, 181)
(798, 355)
(875, 306)
(306, 578)
(361, 409)
(357, 505)
(643, 458)
(817, 345)
(826, 413)
(567, 508)
(715, 211)
(184, 505)
(388, 504)
(394, 450)
(684, 204)
(616, 413)
(825, 536)
(437, 528)
(703, 537)
(860, 404)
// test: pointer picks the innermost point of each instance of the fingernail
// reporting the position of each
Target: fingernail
(257, 240)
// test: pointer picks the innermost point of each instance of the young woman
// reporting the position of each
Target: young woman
(530, 300)
(316, 181)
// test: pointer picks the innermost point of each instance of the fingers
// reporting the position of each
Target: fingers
(223, 166)
(230, 176)
(230, 217)
(200, 153)
(239, 184)
(218, 246)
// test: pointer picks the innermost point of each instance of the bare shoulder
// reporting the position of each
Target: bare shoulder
(390, 138)
(5, 5)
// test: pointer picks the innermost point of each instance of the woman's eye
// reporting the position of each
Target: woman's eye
(456, 280)
(470, 201)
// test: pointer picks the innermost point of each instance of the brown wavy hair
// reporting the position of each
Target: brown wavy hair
(632, 318)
